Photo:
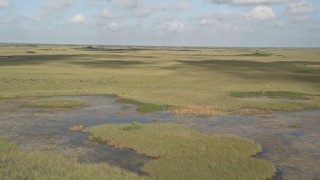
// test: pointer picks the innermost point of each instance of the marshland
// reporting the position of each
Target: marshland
(91, 112)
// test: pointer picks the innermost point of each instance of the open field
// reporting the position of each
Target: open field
(175, 77)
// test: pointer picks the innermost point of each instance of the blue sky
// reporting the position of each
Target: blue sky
(233, 23)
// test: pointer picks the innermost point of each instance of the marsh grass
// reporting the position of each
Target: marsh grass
(145, 107)
(77, 128)
(154, 120)
(39, 115)
(184, 153)
(257, 54)
(30, 52)
(275, 105)
(97, 139)
(16, 164)
(271, 94)
(249, 111)
(197, 111)
(54, 103)
(132, 126)
(295, 126)
(172, 77)
(268, 116)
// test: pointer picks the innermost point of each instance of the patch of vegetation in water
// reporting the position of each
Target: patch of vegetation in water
(257, 54)
(145, 107)
(30, 52)
(54, 103)
(90, 47)
(16, 164)
(154, 120)
(295, 126)
(270, 94)
(77, 128)
(197, 111)
(184, 153)
(97, 139)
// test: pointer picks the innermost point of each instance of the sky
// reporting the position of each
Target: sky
(213, 23)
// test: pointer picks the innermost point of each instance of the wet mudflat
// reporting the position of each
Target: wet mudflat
(290, 140)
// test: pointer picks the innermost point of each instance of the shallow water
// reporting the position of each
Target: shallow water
(290, 140)
(47, 129)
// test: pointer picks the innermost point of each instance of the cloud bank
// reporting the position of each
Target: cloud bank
(167, 22)
(261, 13)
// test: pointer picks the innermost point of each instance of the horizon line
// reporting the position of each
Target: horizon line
(158, 46)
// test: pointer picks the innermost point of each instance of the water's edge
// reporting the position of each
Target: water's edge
(290, 140)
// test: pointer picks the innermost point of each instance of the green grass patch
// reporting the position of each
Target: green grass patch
(145, 107)
(184, 153)
(154, 120)
(16, 164)
(270, 94)
(132, 126)
(54, 103)
(279, 106)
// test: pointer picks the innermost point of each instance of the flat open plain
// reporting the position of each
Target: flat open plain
(267, 95)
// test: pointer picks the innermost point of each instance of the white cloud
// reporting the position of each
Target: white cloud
(261, 13)
(77, 19)
(4, 3)
(249, 2)
(106, 14)
(59, 4)
(300, 8)
(114, 26)
(174, 27)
